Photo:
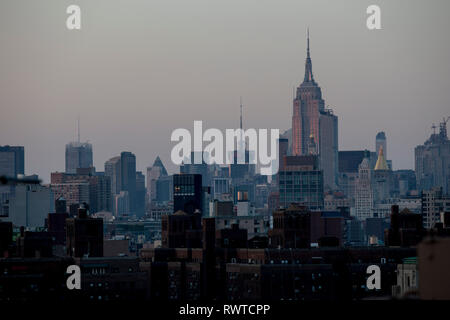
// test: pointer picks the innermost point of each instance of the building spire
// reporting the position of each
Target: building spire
(308, 65)
(78, 128)
(240, 101)
(242, 144)
(381, 161)
(307, 51)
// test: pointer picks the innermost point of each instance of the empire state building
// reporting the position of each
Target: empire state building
(314, 125)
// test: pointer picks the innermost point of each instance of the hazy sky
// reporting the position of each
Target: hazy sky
(137, 70)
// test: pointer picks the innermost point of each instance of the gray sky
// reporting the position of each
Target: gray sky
(140, 69)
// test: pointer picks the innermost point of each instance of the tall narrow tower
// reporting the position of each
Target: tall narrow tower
(308, 103)
(241, 138)
(312, 122)
(380, 142)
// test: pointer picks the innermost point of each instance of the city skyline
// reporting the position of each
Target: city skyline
(201, 77)
(187, 157)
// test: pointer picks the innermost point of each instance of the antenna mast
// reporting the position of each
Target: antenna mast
(78, 126)
(242, 143)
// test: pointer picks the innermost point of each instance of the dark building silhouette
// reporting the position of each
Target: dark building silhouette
(187, 194)
(60, 205)
(56, 222)
(181, 230)
(84, 235)
(327, 228)
(335, 274)
(112, 279)
(283, 149)
(376, 227)
(349, 161)
(298, 227)
(34, 279)
(128, 178)
(140, 194)
(434, 263)
(223, 208)
(34, 244)
(240, 171)
(44, 280)
(291, 228)
(6, 232)
(273, 202)
(446, 219)
(406, 228)
(209, 233)
(231, 238)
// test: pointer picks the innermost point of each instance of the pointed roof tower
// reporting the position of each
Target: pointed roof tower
(309, 78)
(381, 162)
(158, 163)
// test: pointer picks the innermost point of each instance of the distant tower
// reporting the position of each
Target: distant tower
(308, 103)
(78, 131)
(310, 118)
(382, 179)
(154, 172)
(432, 161)
(381, 161)
(364, 201)
(242, 142)
(239, 171)
(128, 177)
(78, 154)
(380, 141)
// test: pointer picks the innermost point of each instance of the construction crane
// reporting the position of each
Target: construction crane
(443, 127)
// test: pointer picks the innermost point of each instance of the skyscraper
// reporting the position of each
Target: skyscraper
(312, 122)
(122, 172)
(78, 155)
(140, 194)
(84, 235)
(12, 161)
(154, 173)
(380, 141)
(113, 170)
(189, 167)
(364, 201)
(30, 205)
(300, 181)
(433, 161)
(187, 195)
(382, 179)
(328, 148)
(434, 204)
(128, 181)
(86, 186)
